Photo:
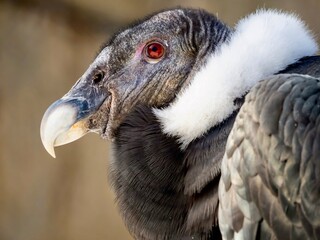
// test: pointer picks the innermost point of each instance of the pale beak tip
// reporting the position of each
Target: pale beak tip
(51, 152)
(48, 145)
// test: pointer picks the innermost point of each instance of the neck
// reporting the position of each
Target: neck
(147, 176)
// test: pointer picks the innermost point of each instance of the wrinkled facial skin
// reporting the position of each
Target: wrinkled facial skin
(130, 79)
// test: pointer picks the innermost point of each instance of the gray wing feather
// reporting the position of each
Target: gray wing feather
(270, 174)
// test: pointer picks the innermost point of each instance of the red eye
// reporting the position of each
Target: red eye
(154, 51)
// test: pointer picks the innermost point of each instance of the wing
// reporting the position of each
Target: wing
(270, 180)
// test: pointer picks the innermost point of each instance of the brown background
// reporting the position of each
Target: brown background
(44, 47)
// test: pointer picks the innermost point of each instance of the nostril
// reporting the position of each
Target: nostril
(98, 77)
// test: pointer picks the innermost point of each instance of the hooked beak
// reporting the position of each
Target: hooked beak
(64, 122)
(68, 119)
(78, 112)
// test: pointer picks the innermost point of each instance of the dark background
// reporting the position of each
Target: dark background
(45, 46)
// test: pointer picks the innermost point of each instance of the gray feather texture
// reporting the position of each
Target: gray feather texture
(271, 170)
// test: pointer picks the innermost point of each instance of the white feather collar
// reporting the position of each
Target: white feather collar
(263, 43)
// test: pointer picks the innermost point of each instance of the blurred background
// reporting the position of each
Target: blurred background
(45, 46)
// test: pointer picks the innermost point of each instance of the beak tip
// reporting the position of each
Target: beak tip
(48, 145)
(51, 152)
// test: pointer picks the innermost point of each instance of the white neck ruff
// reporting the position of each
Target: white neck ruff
(263, 43)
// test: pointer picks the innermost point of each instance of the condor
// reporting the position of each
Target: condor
(215, 131)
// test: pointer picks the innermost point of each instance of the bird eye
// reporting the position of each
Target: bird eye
(154, 51)
(98, 77)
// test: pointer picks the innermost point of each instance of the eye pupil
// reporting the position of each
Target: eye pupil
(155, 50)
